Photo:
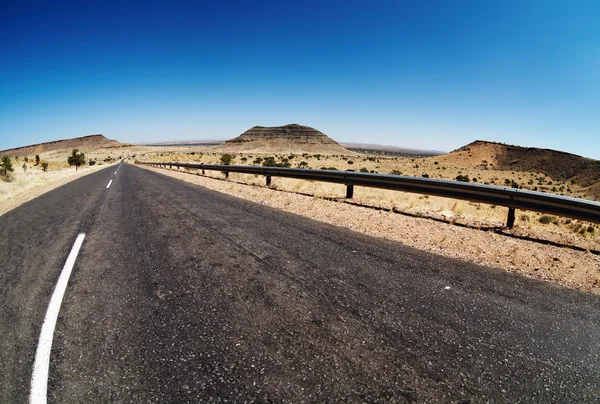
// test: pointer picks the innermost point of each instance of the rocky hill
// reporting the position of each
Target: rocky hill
(283, 139)
(84, 142)
(498, 156)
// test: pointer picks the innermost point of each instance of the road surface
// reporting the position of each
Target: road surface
(183, 294)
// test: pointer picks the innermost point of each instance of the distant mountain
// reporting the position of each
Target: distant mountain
(385, 149)
(291, 138)
(84, 142)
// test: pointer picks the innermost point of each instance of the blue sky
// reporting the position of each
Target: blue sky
(426, 74)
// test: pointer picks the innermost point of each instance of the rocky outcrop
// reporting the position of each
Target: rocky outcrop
(292, 132)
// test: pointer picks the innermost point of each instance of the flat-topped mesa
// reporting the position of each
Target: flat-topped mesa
(292, 132)
(292, 138)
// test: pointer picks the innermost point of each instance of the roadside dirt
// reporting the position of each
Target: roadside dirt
(553, 259)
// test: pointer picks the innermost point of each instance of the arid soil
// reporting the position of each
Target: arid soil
(553, 259)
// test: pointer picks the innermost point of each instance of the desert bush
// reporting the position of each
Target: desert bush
(363, 170)
(5, 166)
(425, 175)
(462, 178)
(76, 159)
(269, 162)
(396, 172)
(244, 159)
(257, 160)
(45, 166)
(546, 219)
(302, 164)
(92, 162)
(226, 159)
(350, 162)
(37, 159)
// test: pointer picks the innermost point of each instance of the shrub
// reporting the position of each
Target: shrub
(269, 162)
(5, 166)
(396, 172)
(26, 159)
(546, 219)
(92, 162)
(24, 167)
(317, 156)
(590, 229)
(45, 166)
(76, 159)
(463, 178)
(350, 162)
(37, 159)
(425, 175)
(363, 170)
(257, 160)
(226, 159)
(244, 159)
(302, 164)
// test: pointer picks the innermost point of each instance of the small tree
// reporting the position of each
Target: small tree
(24, 167)
(5, 165)
(45, 166)
(76, 159)
(226, 159)
(37, 159)
(26, 159)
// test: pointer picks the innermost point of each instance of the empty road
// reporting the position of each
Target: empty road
(183, 294)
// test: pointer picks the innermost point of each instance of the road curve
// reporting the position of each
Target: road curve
(183, 294)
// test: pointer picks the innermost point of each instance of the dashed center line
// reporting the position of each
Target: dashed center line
(109, 182)
(39, 378)
(116, 172)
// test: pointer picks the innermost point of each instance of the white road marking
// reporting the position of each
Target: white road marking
(109, 182)
(116, 172)
(39, 378)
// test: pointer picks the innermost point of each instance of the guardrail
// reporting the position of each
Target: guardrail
(511, 198)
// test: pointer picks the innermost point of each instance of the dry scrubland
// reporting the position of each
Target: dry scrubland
(555, 249)
(24, 184)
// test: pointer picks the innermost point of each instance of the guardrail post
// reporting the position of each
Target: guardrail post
(510, 220)
(226, 174)
(268, 180)
(349, 191)
(203, 171)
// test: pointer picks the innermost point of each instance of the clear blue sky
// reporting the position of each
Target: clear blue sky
(425, 74)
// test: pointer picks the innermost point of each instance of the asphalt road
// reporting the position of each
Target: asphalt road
(183, 294)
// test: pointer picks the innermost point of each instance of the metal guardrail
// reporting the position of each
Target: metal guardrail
(495, 195)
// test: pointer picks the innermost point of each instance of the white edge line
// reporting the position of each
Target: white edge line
(109, 182)
(39, 378)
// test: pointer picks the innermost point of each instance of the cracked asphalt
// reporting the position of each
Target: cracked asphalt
(183, 294)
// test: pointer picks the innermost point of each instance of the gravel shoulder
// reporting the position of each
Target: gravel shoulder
(554, 263)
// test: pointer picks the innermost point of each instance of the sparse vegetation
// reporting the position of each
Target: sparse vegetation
(5, 166)
(462, 178)
(226, 159)
(76, 159)
(546, 219)
(45, 166)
